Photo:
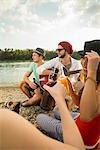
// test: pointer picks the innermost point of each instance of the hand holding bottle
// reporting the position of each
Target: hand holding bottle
(47, 101)
(57, 91)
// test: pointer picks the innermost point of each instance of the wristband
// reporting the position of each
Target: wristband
(90, 78)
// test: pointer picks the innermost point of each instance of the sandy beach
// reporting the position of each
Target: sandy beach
(11, 93)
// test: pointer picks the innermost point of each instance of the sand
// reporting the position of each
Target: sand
(11, 94)
(15, 94)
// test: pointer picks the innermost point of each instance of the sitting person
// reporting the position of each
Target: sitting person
(18, 133)
(29, 87)
(88, 121)
(64, 62)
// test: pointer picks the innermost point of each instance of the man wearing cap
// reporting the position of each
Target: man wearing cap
(64, 60)
(30, 88)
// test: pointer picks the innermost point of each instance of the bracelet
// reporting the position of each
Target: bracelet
(90, 78)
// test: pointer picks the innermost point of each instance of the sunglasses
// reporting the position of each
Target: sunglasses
(59, 49)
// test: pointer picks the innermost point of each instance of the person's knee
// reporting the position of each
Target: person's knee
(21, 84)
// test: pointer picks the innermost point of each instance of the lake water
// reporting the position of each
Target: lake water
(12, 73)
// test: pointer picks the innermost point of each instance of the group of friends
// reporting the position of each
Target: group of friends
(66, 130)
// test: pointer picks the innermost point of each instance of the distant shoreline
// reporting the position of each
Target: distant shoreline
(14, 61)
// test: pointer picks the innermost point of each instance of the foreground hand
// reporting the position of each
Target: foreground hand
(57, 91)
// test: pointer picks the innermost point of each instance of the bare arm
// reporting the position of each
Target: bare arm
(18, 133)
(26, 79)
(43, 69)
(89, 99)
(69, 127)
(47, 72)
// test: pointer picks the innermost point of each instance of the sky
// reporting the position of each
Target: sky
(45, 23)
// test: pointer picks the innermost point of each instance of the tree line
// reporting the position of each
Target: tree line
(10, 54)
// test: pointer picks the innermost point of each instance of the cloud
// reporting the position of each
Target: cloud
(2, 30)
(87, 12)
(6, 5)
(46, 22)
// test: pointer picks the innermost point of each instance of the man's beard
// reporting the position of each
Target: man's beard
(62, 56)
